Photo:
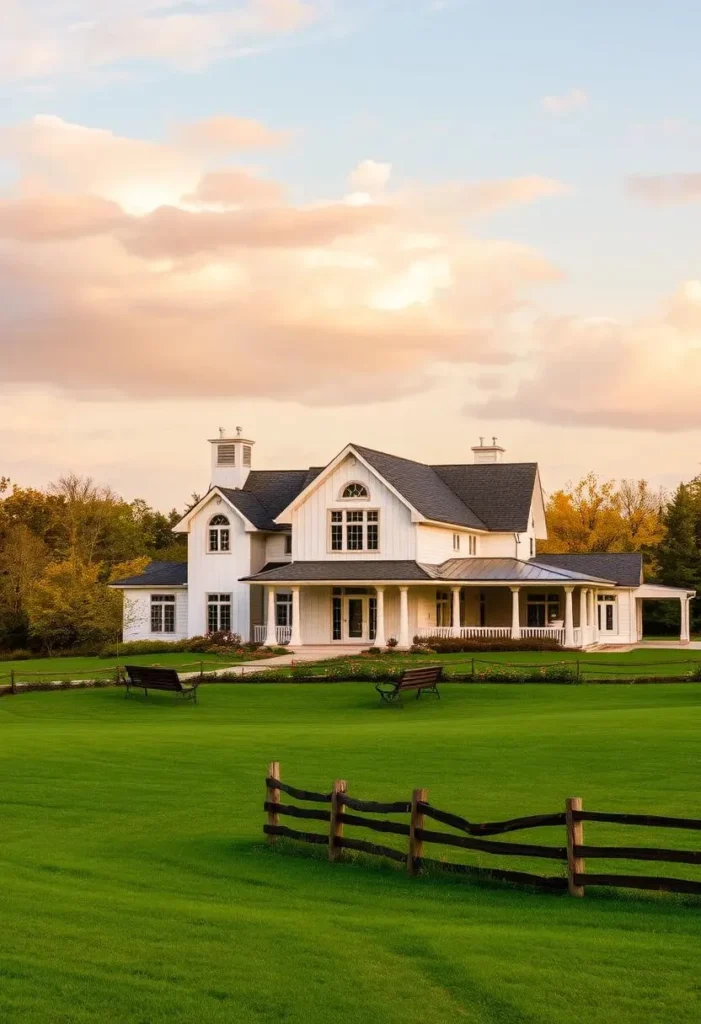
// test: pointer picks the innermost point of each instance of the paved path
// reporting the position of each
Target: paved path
(325, 653)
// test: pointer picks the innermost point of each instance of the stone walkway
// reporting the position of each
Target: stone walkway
(325, 653)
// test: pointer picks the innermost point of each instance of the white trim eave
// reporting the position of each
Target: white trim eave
(443, 581)
(659, 591)
(212, 492)
(147, 586)
(285, 517)
(457, 526)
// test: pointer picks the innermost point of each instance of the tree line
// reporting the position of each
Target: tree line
(61, 546)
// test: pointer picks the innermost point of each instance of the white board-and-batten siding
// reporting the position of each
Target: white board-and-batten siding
(137, 614)
(310, 521)
(219, 572)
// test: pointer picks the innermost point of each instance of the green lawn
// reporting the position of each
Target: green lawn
(136, 888)
(49, 669)
(629, 664)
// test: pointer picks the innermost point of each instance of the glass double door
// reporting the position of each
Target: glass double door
(358, 618)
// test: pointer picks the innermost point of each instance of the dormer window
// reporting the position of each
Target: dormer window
(355, 490)
(219, 534)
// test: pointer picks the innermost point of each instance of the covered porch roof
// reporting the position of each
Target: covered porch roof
(486, 571)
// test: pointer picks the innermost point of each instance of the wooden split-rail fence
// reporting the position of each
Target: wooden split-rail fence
(473, 836)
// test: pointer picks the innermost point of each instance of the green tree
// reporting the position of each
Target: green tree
(679, 554)
(69, 607)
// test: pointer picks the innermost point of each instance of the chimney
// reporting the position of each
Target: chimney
(231, 459)
(488, 452)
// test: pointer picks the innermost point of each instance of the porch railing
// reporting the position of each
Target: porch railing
(282, 634)
(468, 632)
(500, 633)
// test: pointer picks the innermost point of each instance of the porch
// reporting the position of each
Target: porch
(320, 614)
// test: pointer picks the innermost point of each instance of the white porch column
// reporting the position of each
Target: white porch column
(584, 608)
(270, 632)
(515, 614)
(685, 633)
(380, 639)
(456, 610)
(296, 634)
(404, 617)
(569, 618)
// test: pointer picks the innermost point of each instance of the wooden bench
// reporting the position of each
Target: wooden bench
(143, 677)
(418, 679)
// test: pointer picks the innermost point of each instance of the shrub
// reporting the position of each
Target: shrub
(457, 645)
(16, 655)
(392, 642)
(696, 674)
(545, 674)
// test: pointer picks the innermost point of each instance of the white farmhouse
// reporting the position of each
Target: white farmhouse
(373, 547)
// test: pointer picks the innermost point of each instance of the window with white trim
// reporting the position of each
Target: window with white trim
(456, 542)
(472, 544)
(444, 608)
(354, 530)
(162, 613)
(355, 490)
(218, 613)
(283, 609)
(542, 609)
(219, 535)
(288, 543)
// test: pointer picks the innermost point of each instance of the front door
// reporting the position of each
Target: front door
(607, 611)
(355, 618)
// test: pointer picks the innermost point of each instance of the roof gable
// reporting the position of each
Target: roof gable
(423, 488)
(499, 493)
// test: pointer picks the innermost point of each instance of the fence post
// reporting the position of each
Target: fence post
(416, 846)
(473, 668)
(273, 796)
(13, 688)
(575, 837)
(336, 826)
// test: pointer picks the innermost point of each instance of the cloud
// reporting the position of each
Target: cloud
(370, 176)
(42, 39)
(136, 269)
(665, 189)
(641, 374)
(573, 99)
(223, 133)
(237, 187)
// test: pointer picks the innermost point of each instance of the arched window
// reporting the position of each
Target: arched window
(355, 490)
(219, 534)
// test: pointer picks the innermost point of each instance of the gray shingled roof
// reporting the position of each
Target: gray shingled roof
(498, 493)
(506, 570)
(423, 488)
(625, 568)
(267, 492)
(157, 574)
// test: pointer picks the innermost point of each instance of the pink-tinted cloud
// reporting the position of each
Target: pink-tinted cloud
(112, 282)
(236, 187)
(42, 39)
(642, 374)
(223, 133)
(665, 189)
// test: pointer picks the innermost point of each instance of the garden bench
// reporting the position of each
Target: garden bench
(142, 677)
(418, 679)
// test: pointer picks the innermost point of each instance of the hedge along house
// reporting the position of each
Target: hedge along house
(373, 547)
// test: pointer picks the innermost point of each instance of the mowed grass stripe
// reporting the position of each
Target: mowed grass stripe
(137, 887)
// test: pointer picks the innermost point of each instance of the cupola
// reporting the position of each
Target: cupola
(231, 459)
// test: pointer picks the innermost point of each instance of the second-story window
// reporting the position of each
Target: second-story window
(472, 544)
(288, 543)
(456, 542)
(354, 530)
(219, 534)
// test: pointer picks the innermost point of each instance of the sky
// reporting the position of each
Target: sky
(404, 224)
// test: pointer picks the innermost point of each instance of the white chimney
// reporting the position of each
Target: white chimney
(488, 452)
(231, 459)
